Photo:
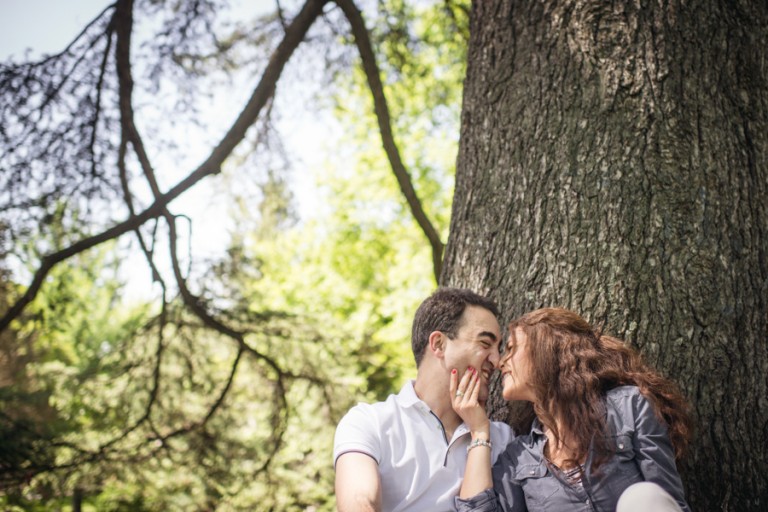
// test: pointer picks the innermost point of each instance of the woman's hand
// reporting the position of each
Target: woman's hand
(464, 398)
(464, 393)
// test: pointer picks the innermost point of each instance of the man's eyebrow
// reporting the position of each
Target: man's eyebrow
(488, 334)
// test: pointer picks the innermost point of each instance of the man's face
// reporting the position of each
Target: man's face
(476, 344)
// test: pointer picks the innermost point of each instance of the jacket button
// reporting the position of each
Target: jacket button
(621, 446)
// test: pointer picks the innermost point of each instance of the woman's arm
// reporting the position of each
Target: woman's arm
(654, 452)
(477, 475)
(482, 491)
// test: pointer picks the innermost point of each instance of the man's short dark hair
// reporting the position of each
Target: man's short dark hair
(442, 312)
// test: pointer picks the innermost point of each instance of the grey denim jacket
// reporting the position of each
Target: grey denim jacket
(523, 480)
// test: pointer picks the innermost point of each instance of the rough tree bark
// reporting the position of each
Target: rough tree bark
(614, 160)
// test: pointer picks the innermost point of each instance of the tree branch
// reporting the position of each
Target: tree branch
(279, 424)
(373, 75)
(123, 27)
(97, 111)
(76, 39)
(195, 305)
(294, 34)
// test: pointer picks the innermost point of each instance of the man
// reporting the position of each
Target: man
(409, 452)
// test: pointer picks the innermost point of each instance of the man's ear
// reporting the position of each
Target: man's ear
(437, 344)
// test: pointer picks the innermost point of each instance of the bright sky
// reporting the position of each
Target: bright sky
(46, 26)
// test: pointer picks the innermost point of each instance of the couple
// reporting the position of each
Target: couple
(607, 426)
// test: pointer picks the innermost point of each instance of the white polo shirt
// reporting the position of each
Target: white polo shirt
(420, 470)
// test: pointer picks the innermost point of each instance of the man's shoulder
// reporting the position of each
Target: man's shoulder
(500, 426)
(367, 426)
(501, 433)
(382, 407)
(360, 414)
(390, 402)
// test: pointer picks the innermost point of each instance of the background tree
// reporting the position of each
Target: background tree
(222, 387)
(614, 160)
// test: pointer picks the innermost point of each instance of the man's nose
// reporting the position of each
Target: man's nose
(495, 359)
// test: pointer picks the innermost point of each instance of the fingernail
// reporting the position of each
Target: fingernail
(472, 370)
(453, 371)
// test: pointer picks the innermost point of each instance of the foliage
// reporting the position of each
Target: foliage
(224, 392)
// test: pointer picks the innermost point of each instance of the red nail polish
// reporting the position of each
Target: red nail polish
(453, 371)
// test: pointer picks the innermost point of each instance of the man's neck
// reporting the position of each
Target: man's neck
(433, 392)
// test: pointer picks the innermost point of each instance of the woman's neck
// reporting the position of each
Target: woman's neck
(561, 449)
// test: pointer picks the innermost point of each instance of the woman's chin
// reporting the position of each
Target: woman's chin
(510, 395)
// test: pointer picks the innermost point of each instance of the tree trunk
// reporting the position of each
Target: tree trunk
(614, 160)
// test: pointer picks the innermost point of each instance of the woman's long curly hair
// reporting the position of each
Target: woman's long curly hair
(572, 368)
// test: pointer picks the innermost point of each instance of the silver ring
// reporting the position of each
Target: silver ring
(459, 394)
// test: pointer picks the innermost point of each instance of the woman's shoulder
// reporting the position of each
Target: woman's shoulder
(620, 393)
(625, 398)
(626, 404)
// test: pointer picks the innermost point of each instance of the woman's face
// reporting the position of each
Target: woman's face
(516, 369)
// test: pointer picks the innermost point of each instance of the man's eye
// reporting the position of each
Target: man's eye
(486, 344)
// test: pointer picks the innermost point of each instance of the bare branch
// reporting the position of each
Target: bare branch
(123, 22)
(280, 14)
(373, 75)
(97, 108)
(156, 376)
(215, 406)
(77, 38)
(280, 405)
(294, 34)
(195, 304)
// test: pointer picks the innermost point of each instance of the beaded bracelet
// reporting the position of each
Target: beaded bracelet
(478, 442)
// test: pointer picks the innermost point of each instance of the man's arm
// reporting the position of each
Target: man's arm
(358, 484)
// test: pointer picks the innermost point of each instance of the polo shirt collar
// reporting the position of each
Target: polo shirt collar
(407, 396)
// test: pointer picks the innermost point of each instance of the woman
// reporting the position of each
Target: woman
(604, 421)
